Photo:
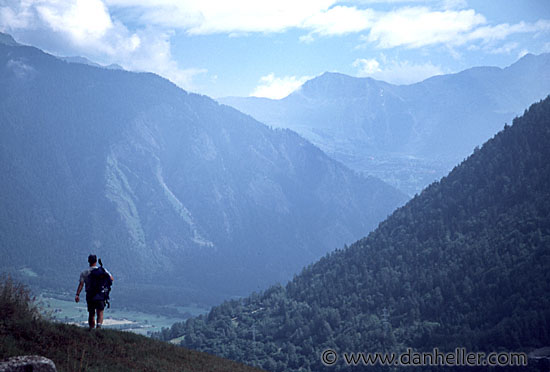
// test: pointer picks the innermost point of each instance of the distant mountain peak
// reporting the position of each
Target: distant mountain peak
(86, 61)
(377, 128)
(529, 60)
(336, 84)
(337, 77)
(7, 39)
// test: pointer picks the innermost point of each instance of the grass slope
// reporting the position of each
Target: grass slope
(23, 331)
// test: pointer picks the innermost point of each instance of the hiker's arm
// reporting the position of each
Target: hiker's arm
(78, 290)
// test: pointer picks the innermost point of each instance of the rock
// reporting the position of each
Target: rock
(27, 363)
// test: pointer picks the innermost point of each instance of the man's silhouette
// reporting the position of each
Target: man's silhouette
(93, 305)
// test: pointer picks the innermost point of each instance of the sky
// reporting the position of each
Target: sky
(270, 48)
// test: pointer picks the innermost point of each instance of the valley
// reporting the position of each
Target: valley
(62, 308)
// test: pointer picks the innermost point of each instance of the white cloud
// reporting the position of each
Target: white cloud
(416, 27)
(278, 87)
(16, 17)
(86, 27)
(367, 66)
(504, 49)
(222, 16)
(420, 26)
(402, 72)
(91, 28)
(340, 20)
(523, 53)
(502, 31)
(89, 21)
(154, 55)
(82, 19)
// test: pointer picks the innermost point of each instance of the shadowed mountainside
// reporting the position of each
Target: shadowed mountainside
(193, 199)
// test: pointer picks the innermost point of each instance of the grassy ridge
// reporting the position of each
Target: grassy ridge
(23, 331)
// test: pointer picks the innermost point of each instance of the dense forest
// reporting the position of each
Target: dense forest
(464, 264)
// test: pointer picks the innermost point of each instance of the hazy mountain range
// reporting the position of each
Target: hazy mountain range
(408, 135)
(195, 199)
(86, 61)
(464, 264)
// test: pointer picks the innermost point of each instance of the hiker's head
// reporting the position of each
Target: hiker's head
(92, 259)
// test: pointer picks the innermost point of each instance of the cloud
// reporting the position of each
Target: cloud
(417, 27)
(141, 40)
(83, 23)
(86, 27)
(340, 20)
(504, 49)
(502, 31)
(420, 26)
(394, 72)
(82, 19)
(523, 53)
(16, 17)
(278, 87)
(154, 55)
(367, 66)
(221, 16)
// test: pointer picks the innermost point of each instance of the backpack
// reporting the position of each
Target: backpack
(100, 285)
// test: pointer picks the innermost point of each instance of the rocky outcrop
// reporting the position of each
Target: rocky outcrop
(27, 363)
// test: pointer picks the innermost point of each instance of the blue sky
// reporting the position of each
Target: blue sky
(269, 48)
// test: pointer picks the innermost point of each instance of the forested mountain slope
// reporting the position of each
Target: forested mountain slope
(184, 199)
(464, 264)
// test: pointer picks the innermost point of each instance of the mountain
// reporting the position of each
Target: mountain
(86, 61)
(408, 135)
(7, 40)
(464, 264)
(184, 199)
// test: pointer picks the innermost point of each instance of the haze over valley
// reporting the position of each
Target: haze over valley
(407, 135)
(158, 180)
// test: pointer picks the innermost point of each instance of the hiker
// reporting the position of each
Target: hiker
(94, 299)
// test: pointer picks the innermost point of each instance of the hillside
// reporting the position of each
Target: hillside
(408, 135)
(464, 264)
(24, 332)
(184, 199)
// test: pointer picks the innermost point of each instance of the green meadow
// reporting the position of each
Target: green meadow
(62, 308)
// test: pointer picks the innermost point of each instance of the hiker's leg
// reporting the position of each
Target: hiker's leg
(100, 306)
(99, 317)
(91, 313)
(91, 320)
